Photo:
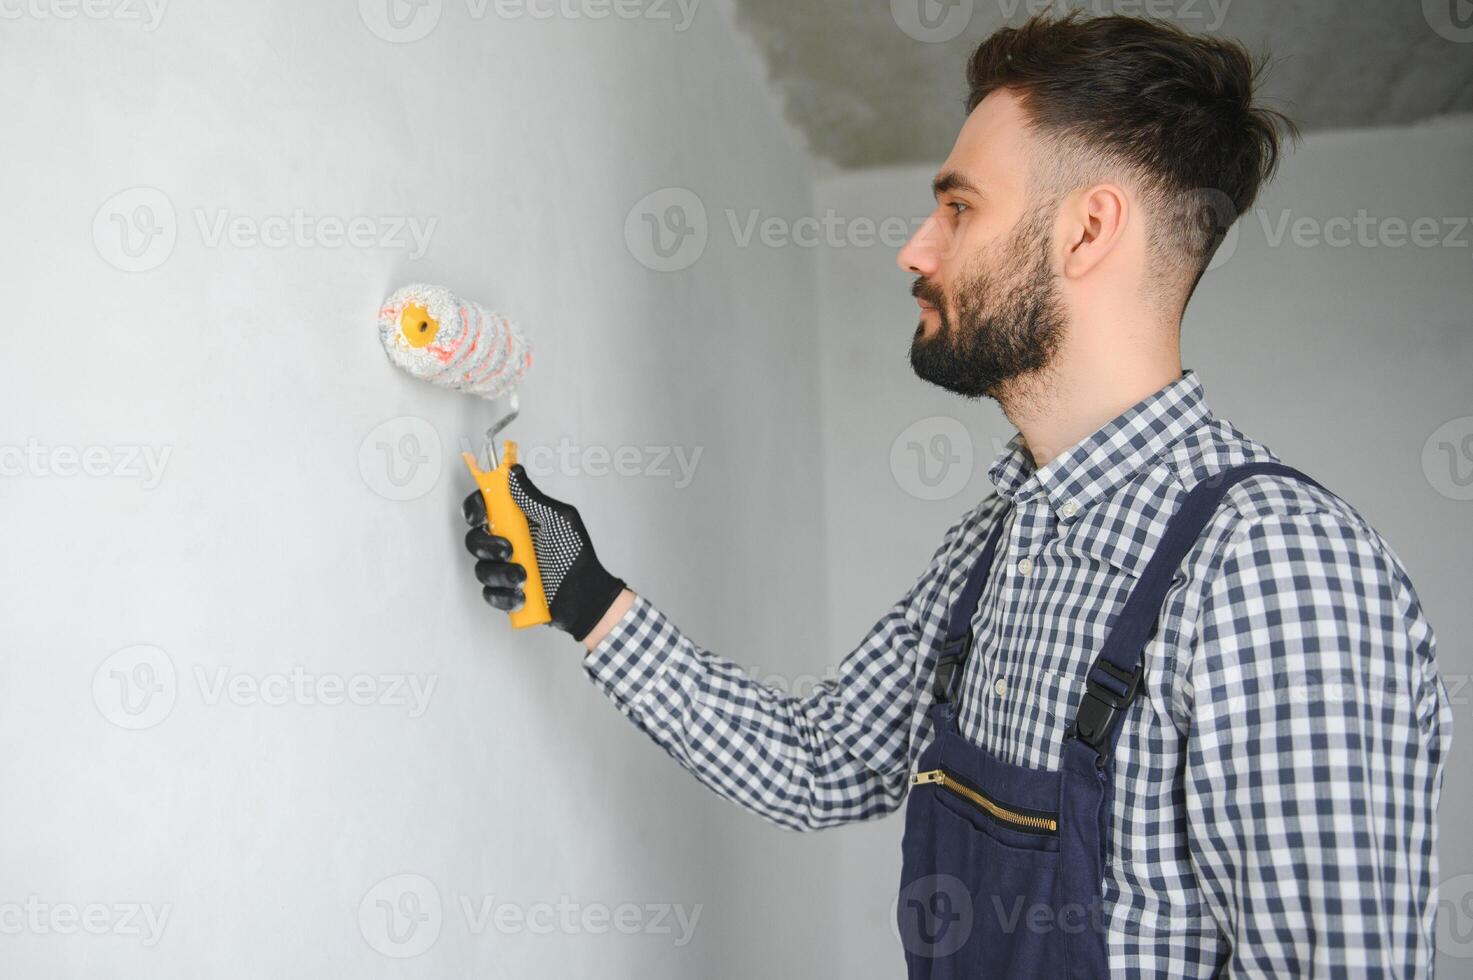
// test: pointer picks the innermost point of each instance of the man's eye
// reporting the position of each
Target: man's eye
(956, 206)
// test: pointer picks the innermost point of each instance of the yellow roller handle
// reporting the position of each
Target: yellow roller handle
(505, 518)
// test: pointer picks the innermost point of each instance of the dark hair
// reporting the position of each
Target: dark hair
(1172, 108)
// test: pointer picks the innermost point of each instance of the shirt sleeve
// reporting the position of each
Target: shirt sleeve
(1318, 730)
(836, 754)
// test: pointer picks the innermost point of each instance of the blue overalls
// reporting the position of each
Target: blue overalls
(1003, 865)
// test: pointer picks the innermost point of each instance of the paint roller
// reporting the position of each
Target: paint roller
(445, 340)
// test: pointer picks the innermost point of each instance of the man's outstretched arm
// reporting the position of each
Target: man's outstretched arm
(839, 753)
(836, 754)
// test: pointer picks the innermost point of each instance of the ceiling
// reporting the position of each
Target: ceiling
(876, 83)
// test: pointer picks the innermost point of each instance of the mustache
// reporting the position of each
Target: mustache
(930, 292)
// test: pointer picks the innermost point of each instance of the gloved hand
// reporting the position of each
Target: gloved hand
(579, 589)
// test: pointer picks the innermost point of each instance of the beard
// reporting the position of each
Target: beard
(999, 327)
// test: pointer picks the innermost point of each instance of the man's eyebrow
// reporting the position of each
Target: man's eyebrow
(951, 180)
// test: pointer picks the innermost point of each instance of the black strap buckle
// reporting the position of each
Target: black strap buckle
(1101, 707)
(953, 655)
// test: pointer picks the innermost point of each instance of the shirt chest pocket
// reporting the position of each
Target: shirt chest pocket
(1026, 724)
(1061, 698)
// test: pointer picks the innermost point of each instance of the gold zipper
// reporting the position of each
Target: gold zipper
(941, 778)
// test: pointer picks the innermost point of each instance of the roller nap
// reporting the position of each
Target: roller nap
(445, 340)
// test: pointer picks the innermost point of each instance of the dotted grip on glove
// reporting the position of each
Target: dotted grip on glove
(579, 590)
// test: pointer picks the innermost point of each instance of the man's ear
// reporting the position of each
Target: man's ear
(1094, 223)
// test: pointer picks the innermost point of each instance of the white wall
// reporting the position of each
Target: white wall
(1345, 360)
(266, 543)
(266, 546)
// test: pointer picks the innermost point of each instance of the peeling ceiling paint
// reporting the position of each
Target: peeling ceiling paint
(876, 83)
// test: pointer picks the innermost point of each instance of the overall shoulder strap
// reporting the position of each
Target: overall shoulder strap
(958, 642)
(1114, 677)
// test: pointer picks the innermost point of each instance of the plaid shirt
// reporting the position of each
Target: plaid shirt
(1276, 783)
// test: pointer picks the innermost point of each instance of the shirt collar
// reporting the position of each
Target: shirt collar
(1102, 461)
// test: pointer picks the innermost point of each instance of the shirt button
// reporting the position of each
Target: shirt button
(1000, 686)
(1025, 565)
(1070, 508)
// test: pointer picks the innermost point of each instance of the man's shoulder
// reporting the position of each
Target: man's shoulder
(1277, 519)
(1289, 565)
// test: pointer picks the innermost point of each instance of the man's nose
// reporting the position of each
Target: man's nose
(921, 255)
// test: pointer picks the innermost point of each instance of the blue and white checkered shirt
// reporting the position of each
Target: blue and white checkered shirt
(1276, 783)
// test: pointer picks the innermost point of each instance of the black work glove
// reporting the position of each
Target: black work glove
(579, 589)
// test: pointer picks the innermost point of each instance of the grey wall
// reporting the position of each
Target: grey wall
(1347, 359)
(267, 825)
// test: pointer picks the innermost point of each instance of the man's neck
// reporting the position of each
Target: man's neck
(1059, 407)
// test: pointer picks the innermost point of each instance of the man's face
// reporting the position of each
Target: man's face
(989, 299)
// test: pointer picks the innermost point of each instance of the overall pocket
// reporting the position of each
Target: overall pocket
(1005, 816)
(978, 884)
